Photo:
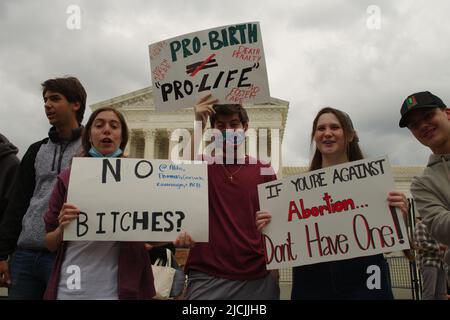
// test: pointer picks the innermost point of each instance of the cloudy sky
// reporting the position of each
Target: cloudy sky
(318, 53)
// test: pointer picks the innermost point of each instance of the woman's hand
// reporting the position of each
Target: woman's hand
(398, 200)
(53, 239)
(263, 218)
(68, 213)
(184, 240)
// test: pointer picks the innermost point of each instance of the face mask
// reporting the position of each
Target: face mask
(230, 138)
(94, 153)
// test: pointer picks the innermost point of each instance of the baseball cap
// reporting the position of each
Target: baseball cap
(419, 100)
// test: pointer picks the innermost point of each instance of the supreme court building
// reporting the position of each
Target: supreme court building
(150, 131)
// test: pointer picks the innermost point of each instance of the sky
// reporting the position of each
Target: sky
(363, 57)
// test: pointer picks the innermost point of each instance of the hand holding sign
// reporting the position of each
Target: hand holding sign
(263, 218)
(204, 108)
(398, 199)
(184, 240)
(68, 213)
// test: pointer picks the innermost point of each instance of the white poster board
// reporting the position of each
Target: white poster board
(137, 200)
(335, 213)
(227, 61)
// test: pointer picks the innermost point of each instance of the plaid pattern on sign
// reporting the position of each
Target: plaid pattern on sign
(428, 252)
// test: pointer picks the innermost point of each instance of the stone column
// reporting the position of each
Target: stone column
(171, 143)
(279, 168)
(191, 131)
(149, 150)
(128, 147)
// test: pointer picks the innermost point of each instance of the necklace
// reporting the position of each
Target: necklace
(229, 174)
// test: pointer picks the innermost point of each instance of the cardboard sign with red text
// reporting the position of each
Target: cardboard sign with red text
(335, 213)
(227, 61)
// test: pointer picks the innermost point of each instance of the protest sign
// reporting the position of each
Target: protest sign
(335, 213)
(137, 200)
(227, 61)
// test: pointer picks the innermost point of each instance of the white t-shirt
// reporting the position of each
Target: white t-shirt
(89, 271)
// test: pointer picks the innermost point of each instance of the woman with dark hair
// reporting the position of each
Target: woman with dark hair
(348, 143)
(336, 142)
(95, 269)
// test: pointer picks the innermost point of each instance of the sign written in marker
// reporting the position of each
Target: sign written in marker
(137, 200)
(334, 213)
(227, 61)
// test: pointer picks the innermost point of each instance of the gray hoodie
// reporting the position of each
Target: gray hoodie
(431, 192)
(51, 158)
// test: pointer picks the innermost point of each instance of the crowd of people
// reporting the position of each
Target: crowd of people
(35, 261)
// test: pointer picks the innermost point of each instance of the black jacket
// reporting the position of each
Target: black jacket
(23, 191)
(9, 164)
(19, 201)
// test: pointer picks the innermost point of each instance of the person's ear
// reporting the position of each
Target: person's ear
(75, 106)
(245, 127)
(447, 111)
(351, 136)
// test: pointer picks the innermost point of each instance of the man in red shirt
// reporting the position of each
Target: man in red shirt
(232, 264)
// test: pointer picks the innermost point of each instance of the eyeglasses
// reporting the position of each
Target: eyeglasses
(426, 116)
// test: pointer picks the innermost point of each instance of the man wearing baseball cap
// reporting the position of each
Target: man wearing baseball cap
(428, 119)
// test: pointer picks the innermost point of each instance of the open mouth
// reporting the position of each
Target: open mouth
(328, 142)
(106, 140)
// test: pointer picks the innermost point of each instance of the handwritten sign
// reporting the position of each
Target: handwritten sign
(335, 213)
(227, 61)
(137, 200)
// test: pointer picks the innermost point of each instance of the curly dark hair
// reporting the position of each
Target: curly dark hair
(71, 88)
